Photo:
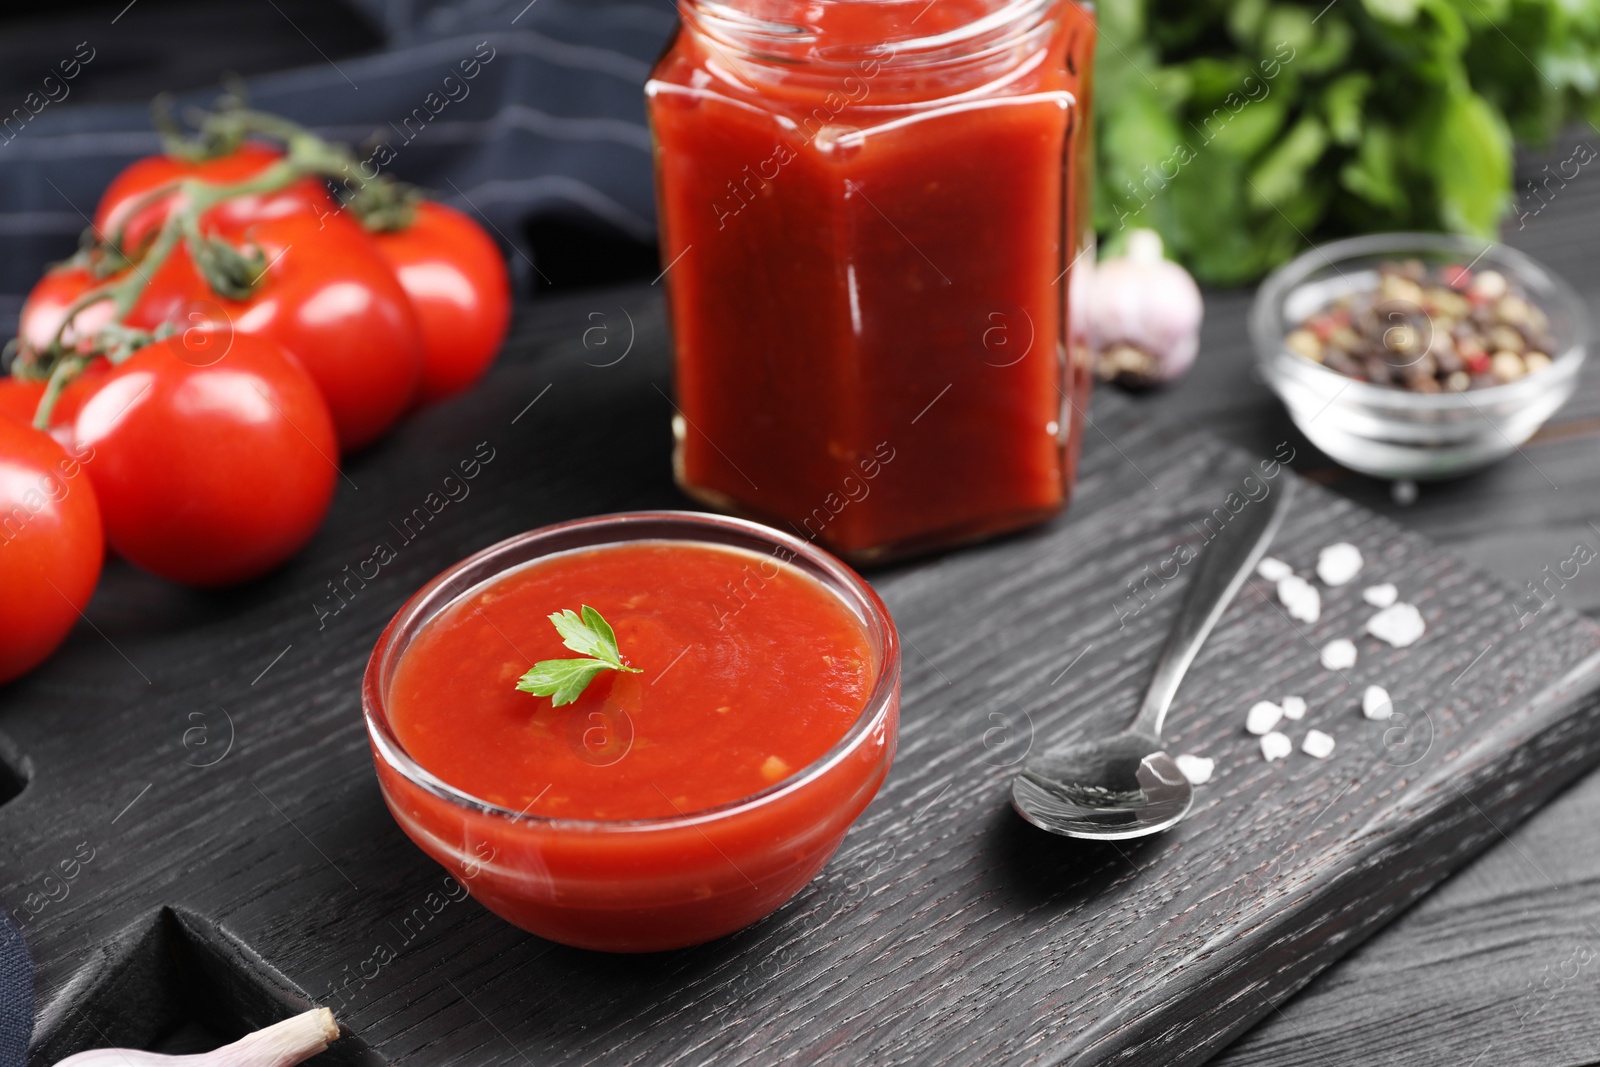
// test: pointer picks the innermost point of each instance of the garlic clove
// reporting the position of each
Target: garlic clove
(283, 1044)
(1143, 314)
(1144, 246)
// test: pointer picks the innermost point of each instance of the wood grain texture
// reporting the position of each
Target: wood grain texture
(1497, 966)
(945, 930)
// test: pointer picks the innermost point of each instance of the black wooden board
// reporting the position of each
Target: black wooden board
(207, 750)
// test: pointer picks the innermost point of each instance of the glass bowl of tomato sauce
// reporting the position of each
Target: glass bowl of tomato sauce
(669, 804)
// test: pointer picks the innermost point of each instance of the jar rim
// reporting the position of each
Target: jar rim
(766, 37)
(462, 578)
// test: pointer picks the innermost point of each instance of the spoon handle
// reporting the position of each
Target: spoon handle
(1224, 564)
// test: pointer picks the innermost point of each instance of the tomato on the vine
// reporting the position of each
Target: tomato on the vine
(46, 308)
(130, 202)
(19, 400)
(51, 546)
(457, 281)
(214, 456)
(327, 296)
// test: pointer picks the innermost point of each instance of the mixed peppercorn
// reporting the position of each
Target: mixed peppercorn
(1441, 330)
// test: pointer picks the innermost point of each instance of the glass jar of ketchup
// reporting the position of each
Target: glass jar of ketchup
(870, 215)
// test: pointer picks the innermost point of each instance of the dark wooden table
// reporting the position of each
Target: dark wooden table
(1496, 966)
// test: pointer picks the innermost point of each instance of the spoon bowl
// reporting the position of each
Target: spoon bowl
(1126, 785)
(1111, 788)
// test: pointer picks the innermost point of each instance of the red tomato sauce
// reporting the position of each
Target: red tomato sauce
(867, 278)
(750, 670)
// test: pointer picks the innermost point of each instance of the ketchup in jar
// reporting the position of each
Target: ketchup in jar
(870, 215)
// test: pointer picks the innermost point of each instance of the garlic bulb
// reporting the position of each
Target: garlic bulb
(282, 1044)
(1143, 313)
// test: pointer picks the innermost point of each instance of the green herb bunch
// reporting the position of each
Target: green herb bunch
(1242, 129)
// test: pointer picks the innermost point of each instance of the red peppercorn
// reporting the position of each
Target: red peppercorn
(1328, 323)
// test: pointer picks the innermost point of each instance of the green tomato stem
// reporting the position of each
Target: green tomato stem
(64, 371)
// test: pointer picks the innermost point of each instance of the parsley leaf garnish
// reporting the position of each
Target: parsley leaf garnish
(563, 680)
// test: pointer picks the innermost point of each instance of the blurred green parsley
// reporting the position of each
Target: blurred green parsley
(1240, 130)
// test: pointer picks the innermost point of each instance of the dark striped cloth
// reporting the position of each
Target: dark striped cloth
(513, 111)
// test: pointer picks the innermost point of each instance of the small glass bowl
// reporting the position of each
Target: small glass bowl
(1390, 432)
(640, 885)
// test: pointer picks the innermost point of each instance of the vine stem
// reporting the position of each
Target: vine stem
(306, 155)
(62, 373)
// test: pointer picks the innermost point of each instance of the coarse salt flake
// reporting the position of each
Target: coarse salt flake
(1196, 768)
(1339, 654)
(1375, 702)
(1275, 746)
(1380, 596)
(1317, 744)
(1300, 598)
(1399, 624)
(1294, 708)
(1338, 563)
(1262, 717)
(1273, 570)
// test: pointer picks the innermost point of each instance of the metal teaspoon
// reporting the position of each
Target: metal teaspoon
(1125, 785)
